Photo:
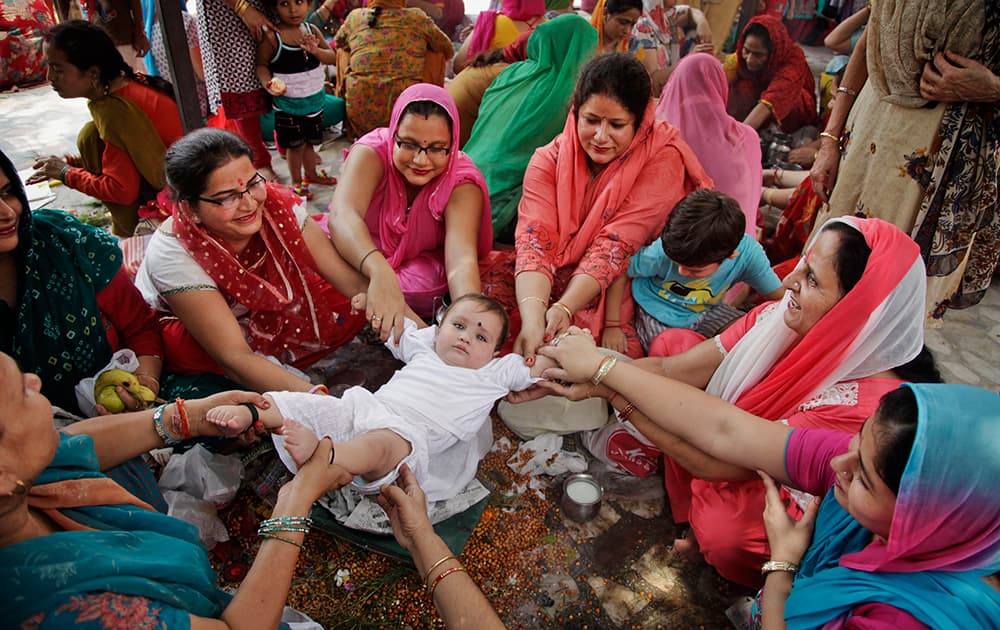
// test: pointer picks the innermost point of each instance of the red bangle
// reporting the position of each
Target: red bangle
(319, 389)
(185, 428)
(626, 412)
(441, 576)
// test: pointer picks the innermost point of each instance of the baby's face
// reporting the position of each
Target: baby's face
(468, 336)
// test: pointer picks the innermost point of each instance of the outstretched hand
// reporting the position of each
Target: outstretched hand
(788, 539)
(385, 306)
(577, 355)
(405, 504)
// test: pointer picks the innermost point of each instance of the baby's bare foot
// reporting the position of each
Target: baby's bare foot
(231, 419)
(299, 441)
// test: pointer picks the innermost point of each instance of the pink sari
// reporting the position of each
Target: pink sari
(412, 238)
(694, 101)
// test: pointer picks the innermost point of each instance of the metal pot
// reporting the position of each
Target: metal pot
(581, 499)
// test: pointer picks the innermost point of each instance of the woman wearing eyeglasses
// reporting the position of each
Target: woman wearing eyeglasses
(245, 281)
(412, 212)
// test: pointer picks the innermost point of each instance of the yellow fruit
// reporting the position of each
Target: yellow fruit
(115, 377)
(105, 393)
(109, 399)
(145, 393)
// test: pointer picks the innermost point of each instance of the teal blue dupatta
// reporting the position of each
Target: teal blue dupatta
(133, 551)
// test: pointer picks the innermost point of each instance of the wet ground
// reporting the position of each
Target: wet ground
(539, 569)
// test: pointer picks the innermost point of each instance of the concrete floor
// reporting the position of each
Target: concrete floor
(615, 571)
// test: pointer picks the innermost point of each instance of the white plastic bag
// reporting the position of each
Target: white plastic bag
(547, 457)
(622, 446)
(201, 514)
(124, 359)
(204, 475)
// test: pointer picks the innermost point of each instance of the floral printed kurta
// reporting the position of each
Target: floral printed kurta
(385, 60)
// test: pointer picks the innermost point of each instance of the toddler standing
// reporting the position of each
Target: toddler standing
(290, 66)
(433, 414)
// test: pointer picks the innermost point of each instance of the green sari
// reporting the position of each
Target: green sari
(62, 266)
(524, 108)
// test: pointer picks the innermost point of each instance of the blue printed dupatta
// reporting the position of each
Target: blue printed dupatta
(945, 531)
(133, 551)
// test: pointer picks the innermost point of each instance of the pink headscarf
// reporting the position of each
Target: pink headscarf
(402, 236)
(694, 101)
(482, 33)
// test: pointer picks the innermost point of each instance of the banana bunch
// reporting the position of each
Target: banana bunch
(106, 395)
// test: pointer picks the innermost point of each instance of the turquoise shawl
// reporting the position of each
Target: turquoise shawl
(132, 552)
(945, 531)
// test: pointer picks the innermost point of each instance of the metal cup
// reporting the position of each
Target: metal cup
(581, 499)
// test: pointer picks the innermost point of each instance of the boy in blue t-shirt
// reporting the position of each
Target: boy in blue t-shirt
(680, 279)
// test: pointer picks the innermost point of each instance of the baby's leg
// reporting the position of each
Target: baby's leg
(300, 441)
(373, 454)
(235, 419)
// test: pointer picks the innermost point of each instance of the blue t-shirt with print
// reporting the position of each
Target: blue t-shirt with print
(677, 300)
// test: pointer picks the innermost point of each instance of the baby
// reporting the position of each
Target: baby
(433, 414)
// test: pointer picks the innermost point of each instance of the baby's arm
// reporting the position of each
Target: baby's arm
(541, 364)
(236, 419)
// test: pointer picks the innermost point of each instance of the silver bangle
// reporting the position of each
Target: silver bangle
(778, 565)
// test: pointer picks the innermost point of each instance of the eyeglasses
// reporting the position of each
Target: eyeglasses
(256, 186)
(412, 147)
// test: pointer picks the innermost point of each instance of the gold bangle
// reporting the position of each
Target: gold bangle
(436, 565)
(241, 6)
(602, 370)
(827, 134)
(569, 313)
(532, 297)
(149, 376)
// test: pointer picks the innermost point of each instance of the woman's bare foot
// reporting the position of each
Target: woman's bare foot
(687, 548)
(232, 419)
(300, 442)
